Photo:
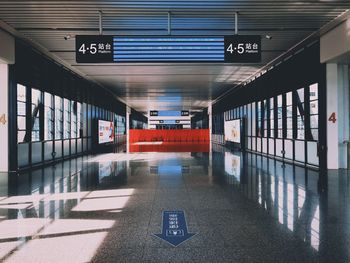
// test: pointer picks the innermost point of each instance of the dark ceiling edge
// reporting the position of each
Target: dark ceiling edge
(309, 40)
(12, 31)
(67, 29)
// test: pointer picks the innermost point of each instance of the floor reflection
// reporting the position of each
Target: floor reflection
(54, 212)
(289, 194)
(85, 204)
(169, 147)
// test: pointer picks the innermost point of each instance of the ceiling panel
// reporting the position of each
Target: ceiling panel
(186, 86)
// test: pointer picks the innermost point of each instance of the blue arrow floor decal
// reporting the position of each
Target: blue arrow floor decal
(174, 228)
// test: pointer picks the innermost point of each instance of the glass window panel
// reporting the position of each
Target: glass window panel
(272, 124)
(289, 98)
(314, 107)
(80, 120)
(265, 124)
(58, 118)
(66, 119)
(20, 136)
(36, 100)
(48, 117)
(58, 103)
(259, 132)
(289, 111)
(314, 121)
(272, 120)
(279, 113)
(279, 116)
(300, 93)
(289, 127)
(21, 93)
(35, 136)
(314, 111)
(21, 122)
(73, 119)
(279, 101)
(300, 128)
(36, 96)
(314, 133)
(280, 133)
(279, 124)
(36, 125)
(21, 113)
(314, 92)
(21, 108)
(35, 130)
(35, 109)
(48, 100)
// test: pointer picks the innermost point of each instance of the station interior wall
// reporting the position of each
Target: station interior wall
(284, 110)
(54, 112)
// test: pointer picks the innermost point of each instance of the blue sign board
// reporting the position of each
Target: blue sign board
(174, 228)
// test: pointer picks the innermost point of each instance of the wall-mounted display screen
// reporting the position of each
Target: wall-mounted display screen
(105, 132)
(233, 131)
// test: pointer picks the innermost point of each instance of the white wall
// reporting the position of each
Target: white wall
(7, 48)
(4, 138)
(335, 44)
(338, 103)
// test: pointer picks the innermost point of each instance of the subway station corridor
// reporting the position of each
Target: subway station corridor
(107, 208)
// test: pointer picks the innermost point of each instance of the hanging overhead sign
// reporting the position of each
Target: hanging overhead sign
(243, 49)
(94, 49)
(153, 113)
(118, 49)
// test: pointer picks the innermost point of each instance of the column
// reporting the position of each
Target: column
(4, 128)
(7, 56)
(337, 115)
(128, 112)
(210, 168)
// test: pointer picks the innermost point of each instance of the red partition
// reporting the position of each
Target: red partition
(198, 135)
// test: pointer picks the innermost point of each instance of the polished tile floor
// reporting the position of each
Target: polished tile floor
(106, 208)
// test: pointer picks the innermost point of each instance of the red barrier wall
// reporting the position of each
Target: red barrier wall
(201, 135)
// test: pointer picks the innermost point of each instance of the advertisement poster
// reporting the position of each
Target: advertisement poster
(233, 131)
(105, 132)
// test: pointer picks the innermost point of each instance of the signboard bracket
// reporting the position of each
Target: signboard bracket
(100, 17)
(236, 23)
(169, 23)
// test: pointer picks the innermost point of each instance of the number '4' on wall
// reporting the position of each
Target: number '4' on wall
(332, 118)
(3, 119)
